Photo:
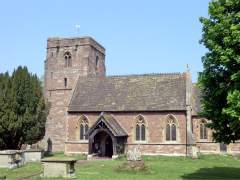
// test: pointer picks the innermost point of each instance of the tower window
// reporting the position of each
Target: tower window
(68, 59)
(58, 48)
(97, 62)
(65, 82)
(51, 75)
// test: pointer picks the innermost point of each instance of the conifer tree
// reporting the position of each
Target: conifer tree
(24, 111)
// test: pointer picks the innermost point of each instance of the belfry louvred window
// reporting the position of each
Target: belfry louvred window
(68, 60)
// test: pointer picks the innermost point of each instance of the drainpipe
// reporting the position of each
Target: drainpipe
(186, 133)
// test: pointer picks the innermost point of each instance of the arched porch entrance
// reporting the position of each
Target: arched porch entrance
(102, 144)
(106, 137)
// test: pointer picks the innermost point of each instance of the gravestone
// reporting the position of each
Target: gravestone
(195, 152)
(58, 167)
(134, 155)
(134, 161)
(11, 158)
(33, 155)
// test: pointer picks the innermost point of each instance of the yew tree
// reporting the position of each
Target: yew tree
(220, 80)
(23, 110)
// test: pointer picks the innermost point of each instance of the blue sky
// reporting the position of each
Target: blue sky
(140, 36)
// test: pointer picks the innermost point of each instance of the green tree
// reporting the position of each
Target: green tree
(220, 79)
(23, 111)
(5, 107)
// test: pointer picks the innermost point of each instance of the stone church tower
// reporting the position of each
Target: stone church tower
(67, 59)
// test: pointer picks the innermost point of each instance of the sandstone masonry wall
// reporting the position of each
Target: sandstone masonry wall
(207, 146)
(155, 132)
(87, 59)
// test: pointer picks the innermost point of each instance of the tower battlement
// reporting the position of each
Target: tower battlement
(56, 42)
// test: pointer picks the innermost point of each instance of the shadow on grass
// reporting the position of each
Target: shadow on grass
(214, 173)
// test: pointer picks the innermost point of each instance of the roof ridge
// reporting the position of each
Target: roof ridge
(147, 74)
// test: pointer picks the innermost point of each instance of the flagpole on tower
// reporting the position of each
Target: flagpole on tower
(77, 26)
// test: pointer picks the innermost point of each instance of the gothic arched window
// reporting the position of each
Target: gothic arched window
(68, 59)
(171, 129)
(140, 129)
(203, 129)
(83, 128)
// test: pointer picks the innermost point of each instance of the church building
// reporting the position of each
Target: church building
(101, 115)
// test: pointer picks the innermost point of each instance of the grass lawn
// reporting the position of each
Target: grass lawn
(206, 167)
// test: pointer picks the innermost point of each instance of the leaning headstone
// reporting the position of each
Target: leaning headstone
(49, 146)
(194, 152)
(134, 161)
(134, 155)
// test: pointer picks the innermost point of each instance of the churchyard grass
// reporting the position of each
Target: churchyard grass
(22, 172)
(206, 167)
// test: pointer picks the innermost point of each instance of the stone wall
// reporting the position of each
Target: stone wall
(155, 132)
(155, 143)
(73, 147)
(207, 146)
(84, 53)
(234, 148)
(160, 149)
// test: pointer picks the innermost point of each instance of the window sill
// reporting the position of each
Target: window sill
(140, 142)
(203, 140)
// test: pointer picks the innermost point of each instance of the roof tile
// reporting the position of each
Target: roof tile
(153, 92)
